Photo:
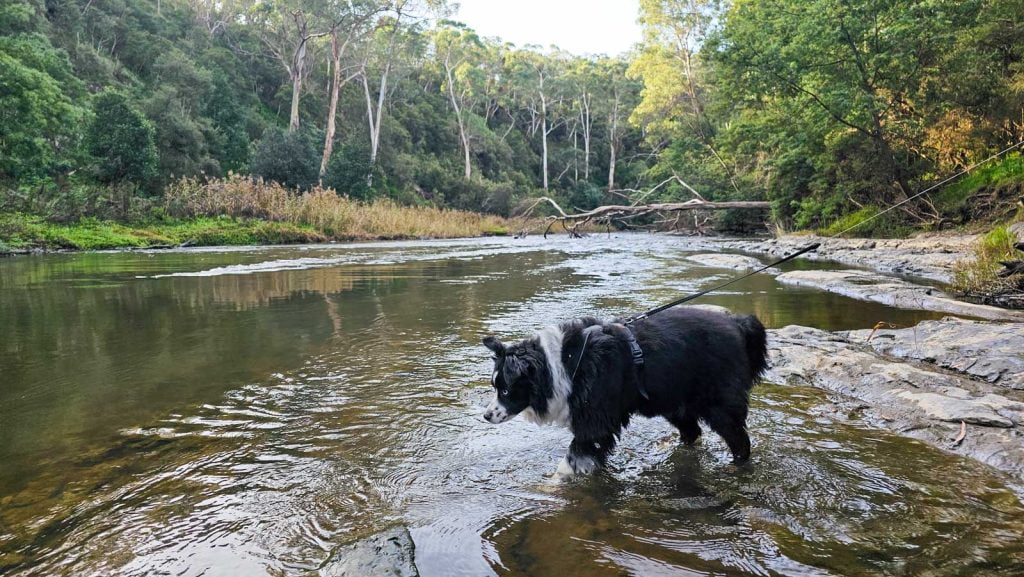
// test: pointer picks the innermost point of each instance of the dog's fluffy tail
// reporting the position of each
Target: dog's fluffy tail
(757, 344)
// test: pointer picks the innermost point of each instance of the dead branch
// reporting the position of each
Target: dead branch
(622, 213)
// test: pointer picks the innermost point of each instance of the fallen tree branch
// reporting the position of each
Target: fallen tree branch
(620, 213)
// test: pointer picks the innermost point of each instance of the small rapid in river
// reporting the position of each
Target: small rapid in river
(245, 411)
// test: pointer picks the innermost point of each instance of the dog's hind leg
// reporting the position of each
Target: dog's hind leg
(689, 429)
(730, 425)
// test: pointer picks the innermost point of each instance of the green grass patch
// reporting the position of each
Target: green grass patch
(978, 278)
(23, 232)
(1007, 171)
(861, 224)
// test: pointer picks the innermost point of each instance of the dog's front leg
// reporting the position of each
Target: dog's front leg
(585, 457)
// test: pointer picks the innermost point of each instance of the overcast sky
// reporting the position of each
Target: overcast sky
(579, 26)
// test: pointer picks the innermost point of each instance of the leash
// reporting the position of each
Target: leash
(689, 298)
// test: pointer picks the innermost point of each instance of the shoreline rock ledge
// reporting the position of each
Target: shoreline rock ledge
(921, 382)
(894, 292)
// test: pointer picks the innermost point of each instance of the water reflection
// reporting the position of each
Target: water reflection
(244, 411)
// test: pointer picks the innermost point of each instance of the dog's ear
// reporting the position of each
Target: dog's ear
(496, 346)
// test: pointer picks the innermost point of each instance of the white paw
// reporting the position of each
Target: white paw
(571, 465)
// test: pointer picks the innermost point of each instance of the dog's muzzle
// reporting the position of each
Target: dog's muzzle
(496, 413)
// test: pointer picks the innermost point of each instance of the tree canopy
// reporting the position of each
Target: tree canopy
(820, 106)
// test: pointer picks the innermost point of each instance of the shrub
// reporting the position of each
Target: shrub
(122, 140)
(348, 172)
(289, 158)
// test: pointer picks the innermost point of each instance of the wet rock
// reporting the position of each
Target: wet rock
(894, 292)
(387, 554)
(919, 400)
(990, 352)
(930, 257)
(731, 261)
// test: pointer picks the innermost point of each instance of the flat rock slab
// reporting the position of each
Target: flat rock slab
(929, 257)
(387, 554)
(918, 400)
(894, 292)
(990, 352)
(730, 261)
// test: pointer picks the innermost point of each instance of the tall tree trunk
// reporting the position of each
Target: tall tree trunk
(374, 116)
(381, 95)
(463, 137)
(575, 156)
(613, 137)
(611, 167)
(298, 72)
(332, 110)
(544, 135)
(586, 121)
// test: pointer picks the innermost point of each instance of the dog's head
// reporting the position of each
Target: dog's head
(518, 379)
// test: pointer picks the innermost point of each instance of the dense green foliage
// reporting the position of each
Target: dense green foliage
(823, 107)
(826, 107)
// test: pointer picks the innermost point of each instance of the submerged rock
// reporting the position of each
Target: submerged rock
(387, 554)
(919, 400)
(894, 292)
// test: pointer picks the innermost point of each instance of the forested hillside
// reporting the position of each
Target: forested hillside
(823, 107)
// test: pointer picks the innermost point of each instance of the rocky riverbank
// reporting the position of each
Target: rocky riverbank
(894, 292)
(929, 257)
(955, 384)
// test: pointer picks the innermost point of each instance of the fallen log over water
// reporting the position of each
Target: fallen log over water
(620, 213)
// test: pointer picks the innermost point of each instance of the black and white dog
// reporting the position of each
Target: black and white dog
(698, 365)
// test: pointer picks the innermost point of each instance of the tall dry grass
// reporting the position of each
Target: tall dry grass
(335, 216)
(977, 278)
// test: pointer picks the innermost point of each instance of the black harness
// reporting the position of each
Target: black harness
(638, 362)
(635, 352)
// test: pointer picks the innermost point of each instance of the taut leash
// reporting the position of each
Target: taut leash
(689, 298)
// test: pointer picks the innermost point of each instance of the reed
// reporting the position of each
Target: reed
(335, 216)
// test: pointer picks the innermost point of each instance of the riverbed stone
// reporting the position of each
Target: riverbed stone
(730, 261)
(869, 286)
(987, 351)
(387, 554)
(915, 399)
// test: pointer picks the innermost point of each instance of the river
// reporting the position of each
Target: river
(243, 411)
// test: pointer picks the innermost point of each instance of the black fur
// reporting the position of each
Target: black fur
(699, 367)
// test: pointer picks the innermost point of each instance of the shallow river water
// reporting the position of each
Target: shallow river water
(244, 411)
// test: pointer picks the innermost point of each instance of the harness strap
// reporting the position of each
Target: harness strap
(638, 362)
(636, 353)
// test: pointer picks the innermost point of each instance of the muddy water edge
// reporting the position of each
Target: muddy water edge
(244, 411)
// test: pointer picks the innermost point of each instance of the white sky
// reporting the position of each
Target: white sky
(578, 26)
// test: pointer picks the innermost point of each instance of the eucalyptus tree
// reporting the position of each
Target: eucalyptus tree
(461, 52)
(351, 21)
(674, 97)
(288, 30)
(585, 79)
(398, 35)
(539, 77)
(617, 97)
